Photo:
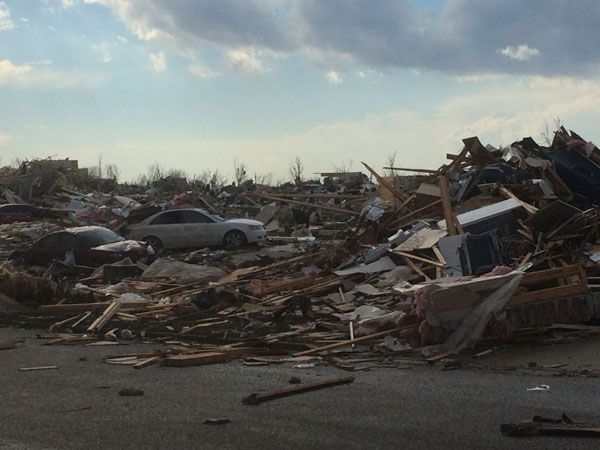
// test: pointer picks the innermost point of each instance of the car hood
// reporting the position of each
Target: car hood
(245, 222)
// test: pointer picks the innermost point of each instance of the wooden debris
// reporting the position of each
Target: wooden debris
(258, 398)
(34, 369)
(196, 359)
(130, 392)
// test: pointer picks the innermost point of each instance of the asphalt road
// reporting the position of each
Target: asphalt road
(415, 408)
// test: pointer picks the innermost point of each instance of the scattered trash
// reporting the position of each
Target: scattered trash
(216, 421)
(541, 387)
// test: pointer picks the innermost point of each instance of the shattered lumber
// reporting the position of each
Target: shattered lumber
(258, 398)
(353, 341)
(312, 205)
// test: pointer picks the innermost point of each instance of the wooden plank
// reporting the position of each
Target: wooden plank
(416, 211)
(406, 169)
(418, 258)
(447, 205)
(106, 316)
(398, 194)
(331, 195)
(352, 341)
(551, 274)
(529, 208)
(33, 369)
(543, 295)
(439, 255)
(457, 224)
(196, 359)
(313, 205)
(147, 362)
(257, 398)
(414, 267)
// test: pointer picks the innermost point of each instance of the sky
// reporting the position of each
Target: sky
(197, 84)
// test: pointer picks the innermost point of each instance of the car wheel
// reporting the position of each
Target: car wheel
(153, 242)
(234, 238)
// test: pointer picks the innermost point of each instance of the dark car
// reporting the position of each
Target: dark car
(15, 212)
(90, 246)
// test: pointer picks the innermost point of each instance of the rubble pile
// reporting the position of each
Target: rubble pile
(498, 246)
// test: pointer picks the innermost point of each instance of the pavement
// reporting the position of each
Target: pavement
(77, 406)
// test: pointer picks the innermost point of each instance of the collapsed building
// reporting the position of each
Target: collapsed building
(498, 246)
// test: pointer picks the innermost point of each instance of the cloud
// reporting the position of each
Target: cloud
(5, 22)
(244, 60)
(67, 3)
(102, 49)
(333, 77)
(4, 138)
(521, 53)
(462, 37)
(201, 70)
(159, 61)
(519, 108)
(32, 75)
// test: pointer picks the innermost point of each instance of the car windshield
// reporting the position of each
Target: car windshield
(98, 236)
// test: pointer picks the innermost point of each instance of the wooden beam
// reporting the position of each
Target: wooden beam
(352, 341)
(416, 211)
(418, 258)
(257, 398)
(406, 169)
(548, 294)
(312, 205)
(417, 269)
(196, 359)
(332, 195)
(529, 208)
(398, 194)
(447, 205)
(108, 314)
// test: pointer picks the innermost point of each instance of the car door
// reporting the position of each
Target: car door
(199, 228)
(168, 227)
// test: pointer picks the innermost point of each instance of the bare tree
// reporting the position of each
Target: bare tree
(343, 167)
(239, 172)
(391, 162)
(176, 173)
(113, 172)
(155, 172)
(217, 181)
(546, 134)
(297, 171)
(264, 178)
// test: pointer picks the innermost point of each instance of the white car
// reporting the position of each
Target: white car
(185, 228)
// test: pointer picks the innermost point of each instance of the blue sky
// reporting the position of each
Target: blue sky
(195, 84)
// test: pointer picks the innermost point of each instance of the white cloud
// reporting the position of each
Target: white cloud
(121, 38)
(498, 116)
(159, 61)
(201, 70)
(9, 72)
(476, 78)
(31, 75)
(4, 138)
(462, 37)
(333, 77)
(244, 60)
(24, 19)
(102, 49)
(521, 53)
(5, 22)
(67, 3)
